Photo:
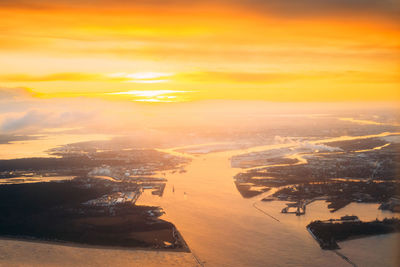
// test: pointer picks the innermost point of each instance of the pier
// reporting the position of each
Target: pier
(300, 206)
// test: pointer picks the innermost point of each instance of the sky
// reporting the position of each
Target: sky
(180, 51)
(134, 67)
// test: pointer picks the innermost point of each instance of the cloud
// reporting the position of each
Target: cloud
(48, 78)
(305, 145)
(326, 7)
(21, 112)
(153, 95)
(212, 77)
(286, 77)
(383, 8)
(7, 138)
(148, 93)
(35, 119)
(315, 147)
(142, 77)
(84, 77)
(13, 93)
(205, 76)
(69, 76)
(14, 100)
(239, 77)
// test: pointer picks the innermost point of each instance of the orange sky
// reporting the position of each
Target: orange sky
(247, 50)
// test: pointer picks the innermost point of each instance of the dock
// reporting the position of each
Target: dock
(300, 206)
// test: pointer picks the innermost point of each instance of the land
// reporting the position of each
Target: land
(249, 190)
(340, 193)
(328, 233)
(76, 162)
(9, 138)
(369, 159)
(340, 172)
(87, 195)
(357, 145)
(69, 211)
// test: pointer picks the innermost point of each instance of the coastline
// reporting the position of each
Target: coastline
(365, 236)
(35, 253)
(184, 249)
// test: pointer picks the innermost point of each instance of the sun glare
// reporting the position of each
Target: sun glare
(153, 95)
(148, 81)
(143, 77)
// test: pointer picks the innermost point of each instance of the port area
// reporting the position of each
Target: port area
(299, 207)
(327, 233)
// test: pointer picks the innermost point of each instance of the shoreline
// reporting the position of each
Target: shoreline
(366, 236)
(329, 234)
(185, 249)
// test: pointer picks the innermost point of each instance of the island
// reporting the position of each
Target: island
(328, 233)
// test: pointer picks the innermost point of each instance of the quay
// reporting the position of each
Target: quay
(300, 206)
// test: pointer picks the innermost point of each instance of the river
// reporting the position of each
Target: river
(224, 229)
